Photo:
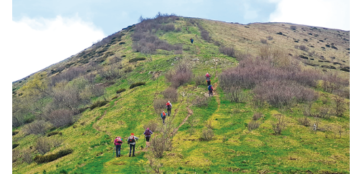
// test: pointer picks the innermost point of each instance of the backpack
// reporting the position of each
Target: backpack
(168, 105)
(210, 87)
(147, 132)
(131, 140)
(163, 114)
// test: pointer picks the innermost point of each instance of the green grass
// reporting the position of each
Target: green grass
(233, 148)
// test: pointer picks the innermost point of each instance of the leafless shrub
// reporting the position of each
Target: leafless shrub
(180, 76)
(270, 38)
(340, 106)
(36, 127)
(152, 125)
(235, 94)
(324, 98)
(204, 33)
(201, 101)
(159, 105)
(171, 94)
(324, 112)
(110, 73)
(293, 27)
(199, 80)
(158, 146)
(304, 121)
(60, 118)
(67, 97)
(114, 60)
(263, 41)
(68, 75)
(207, 134)
(43, 145)
(304, 48)
(333, 82)
(253, 125)
(257, 116)
(27, 156)
(241, 56)
(229, 51)
(280, 93)
(279, 126)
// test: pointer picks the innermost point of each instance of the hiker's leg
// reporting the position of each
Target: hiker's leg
(130, 149)
(134, 150)
(119, 148)
(116, 150)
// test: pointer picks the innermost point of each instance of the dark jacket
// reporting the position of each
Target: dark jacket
(149, 134)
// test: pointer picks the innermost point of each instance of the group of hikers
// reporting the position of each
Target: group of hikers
(132, 139)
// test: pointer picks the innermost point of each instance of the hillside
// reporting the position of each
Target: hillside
(272, 82)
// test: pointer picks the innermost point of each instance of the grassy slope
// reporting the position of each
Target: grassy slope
(233, 148)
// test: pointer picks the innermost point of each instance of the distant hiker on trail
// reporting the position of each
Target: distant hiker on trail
(147, 134)
(208, 79)
(163, 116)
(117, 143)
(210, 90)
(131, 141)
(191, 41)
(168, 106)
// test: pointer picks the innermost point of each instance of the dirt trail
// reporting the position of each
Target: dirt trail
(199, 51)
(184, 120)
(95, 126)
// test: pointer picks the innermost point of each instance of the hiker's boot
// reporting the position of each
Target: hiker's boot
(129, 155)
(133, 155)
(119, 155)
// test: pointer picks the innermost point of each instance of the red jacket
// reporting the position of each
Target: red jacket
(117, 142)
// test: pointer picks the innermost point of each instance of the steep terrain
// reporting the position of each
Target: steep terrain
(164, 42)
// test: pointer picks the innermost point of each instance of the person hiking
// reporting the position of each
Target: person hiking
(117, 143)
(163, 116)
(191, 41)
(147, 134)
(208, 79)
(210, 90)
(168, 106)
(131, 141)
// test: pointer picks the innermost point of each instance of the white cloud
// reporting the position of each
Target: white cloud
(324, 13)
(38, 43)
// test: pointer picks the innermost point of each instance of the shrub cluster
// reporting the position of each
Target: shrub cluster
(51, 157)
(170, 94)
(136, 84)
(14, 132)
(253, 125)
(274, 77)
(201, 101)
(145, 40)
(204, 33)
(60, 118)
(137, 59)
(98, 104)
(159, 105)
(68, 75)
(152, 125)
(120, 90)
(43, 145)
(199, 80)
(181, 75)
(36, 127)
(257, 116)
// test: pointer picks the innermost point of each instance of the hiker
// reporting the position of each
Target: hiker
(208, 79)
(147, 134)
(131, 141)
(117, 143)
(163, 116)
(210, 90)
(191, 41)
(169, 106)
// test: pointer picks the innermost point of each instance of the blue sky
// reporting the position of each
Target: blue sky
(52, 30)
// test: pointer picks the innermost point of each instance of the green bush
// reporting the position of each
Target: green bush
(15, 145)
(54, 133)
(120, 90)
(137, 59)
(136, 84)
(98, 104)
(39, 159)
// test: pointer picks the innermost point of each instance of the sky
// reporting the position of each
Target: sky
(47, 32)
